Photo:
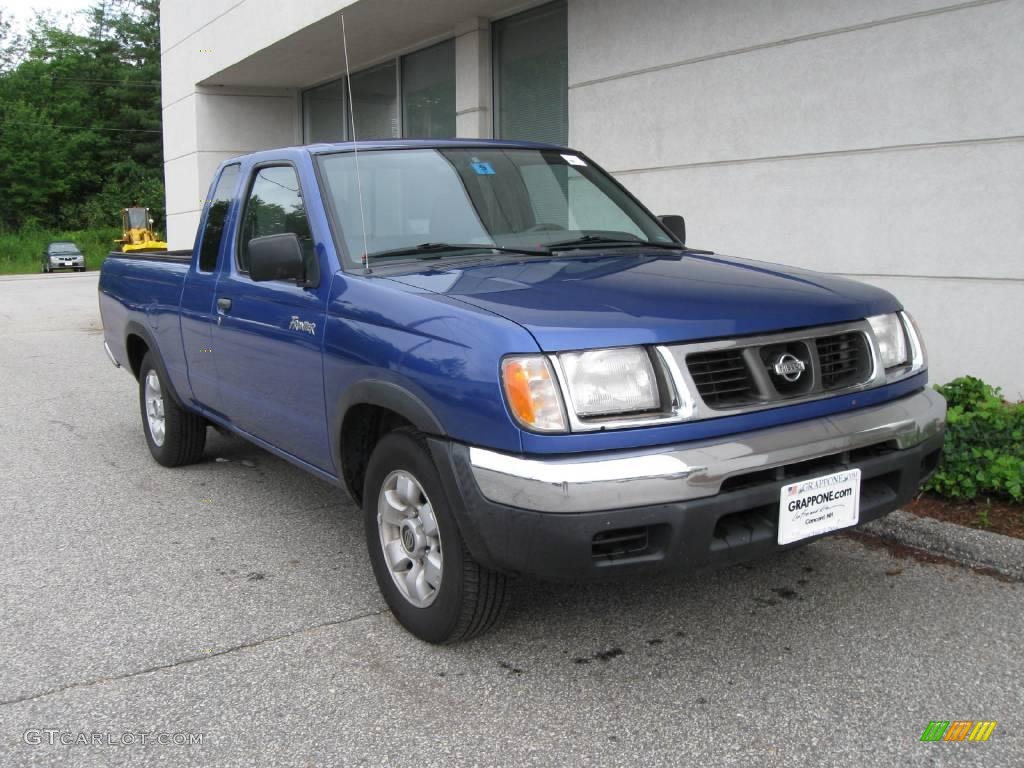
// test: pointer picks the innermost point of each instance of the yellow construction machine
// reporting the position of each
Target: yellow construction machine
(137, 231)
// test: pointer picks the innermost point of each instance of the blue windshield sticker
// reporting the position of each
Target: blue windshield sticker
(483, 169)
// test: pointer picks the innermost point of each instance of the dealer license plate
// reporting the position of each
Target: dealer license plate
(819, 505)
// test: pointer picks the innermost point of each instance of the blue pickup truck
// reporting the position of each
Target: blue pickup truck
(514, 368)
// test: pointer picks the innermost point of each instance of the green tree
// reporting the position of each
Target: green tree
(25, 157)
(10, 43)
(80, 119)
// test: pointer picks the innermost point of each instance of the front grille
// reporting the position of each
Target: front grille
(844, 359)
(722, 378)
(786, 367)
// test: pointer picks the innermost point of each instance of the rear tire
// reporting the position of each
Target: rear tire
(431, 582)
(174, 435)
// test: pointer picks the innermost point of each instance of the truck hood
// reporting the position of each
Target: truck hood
(606, 299)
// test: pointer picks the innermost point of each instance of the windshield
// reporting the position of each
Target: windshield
(511, 198)
(63, 248)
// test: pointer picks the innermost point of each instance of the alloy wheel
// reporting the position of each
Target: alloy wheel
(154, 399)
(410, 538)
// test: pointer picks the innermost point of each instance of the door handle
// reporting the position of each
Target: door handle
(223, 305)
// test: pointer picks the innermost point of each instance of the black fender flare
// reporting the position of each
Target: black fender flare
(135, 328)
(385, 394)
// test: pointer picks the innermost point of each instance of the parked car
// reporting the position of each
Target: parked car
(515, 368)
(63, 255)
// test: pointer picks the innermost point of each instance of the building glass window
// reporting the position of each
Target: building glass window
(426, 95)
(375, 103)
(324, 113)
(531, 75)
(428, 92)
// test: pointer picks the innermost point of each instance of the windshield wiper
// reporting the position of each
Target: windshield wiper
(592, 240)
(430, 251)
(435, 250)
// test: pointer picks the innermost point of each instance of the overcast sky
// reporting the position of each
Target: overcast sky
(21, 12)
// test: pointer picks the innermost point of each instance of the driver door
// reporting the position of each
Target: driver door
(268, 336)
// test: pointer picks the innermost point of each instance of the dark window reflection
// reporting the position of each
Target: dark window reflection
(215, 218)
(275, 206)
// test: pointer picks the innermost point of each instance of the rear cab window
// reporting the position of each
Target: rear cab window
(216, 216)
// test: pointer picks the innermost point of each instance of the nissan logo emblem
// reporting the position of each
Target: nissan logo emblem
(788, 366)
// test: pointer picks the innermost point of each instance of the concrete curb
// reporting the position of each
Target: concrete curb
(1003, 554)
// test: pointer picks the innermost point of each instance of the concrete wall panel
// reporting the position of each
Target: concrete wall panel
(180, 20)
(208, 37)
(181, 229)
(674, 31)
(941, 211)
(243, 123)
(473, 80)
(936, 78)
(179, 126)
(184, 192)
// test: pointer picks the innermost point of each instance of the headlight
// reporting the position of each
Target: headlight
(891, 338)
(533, 393)
(602, 382)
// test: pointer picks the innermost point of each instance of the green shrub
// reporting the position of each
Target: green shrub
(984, 450)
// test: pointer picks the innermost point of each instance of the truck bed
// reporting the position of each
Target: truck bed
(143, 290)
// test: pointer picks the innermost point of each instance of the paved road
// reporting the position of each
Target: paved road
(234, 599)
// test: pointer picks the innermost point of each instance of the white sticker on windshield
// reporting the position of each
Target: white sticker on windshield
(573, 160)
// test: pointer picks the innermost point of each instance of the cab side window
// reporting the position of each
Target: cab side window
(275, 206)
(216, 216)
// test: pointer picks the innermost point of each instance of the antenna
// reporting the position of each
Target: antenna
(355, 144)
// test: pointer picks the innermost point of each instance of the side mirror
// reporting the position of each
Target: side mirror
(676, 225)
(276, 257)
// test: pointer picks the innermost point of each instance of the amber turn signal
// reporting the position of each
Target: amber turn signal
(532, 393)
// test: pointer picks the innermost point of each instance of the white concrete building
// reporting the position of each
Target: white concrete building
(881, 139)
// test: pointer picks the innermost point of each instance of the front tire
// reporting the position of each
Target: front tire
(174, 435)
(431, 582)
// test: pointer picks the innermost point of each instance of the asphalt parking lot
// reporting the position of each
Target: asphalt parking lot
(234, 599)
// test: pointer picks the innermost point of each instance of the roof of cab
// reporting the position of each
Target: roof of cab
(374, 144)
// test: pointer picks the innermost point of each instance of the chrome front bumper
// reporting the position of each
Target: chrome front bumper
(596, 482)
